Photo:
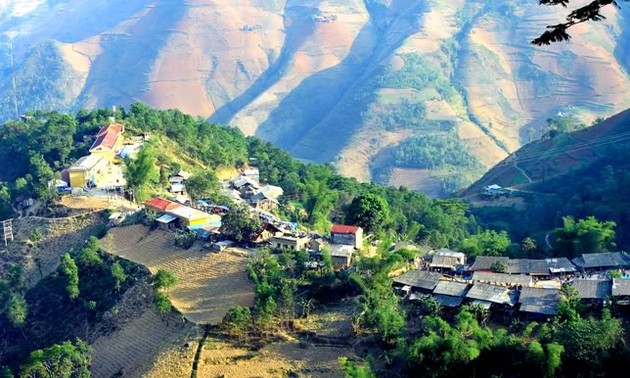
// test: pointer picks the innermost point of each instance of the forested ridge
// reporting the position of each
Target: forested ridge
(404, 339)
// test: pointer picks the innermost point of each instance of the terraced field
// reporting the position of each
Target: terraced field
(130, 351)
(209, 283)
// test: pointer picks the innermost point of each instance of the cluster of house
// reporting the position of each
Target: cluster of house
(247, 189)
(528, 286)
(172, 215)
(99, 169)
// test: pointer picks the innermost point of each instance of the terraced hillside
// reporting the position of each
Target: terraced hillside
(371, 85)
(209, 283)
(40, 242)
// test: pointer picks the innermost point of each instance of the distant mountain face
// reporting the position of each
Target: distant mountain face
(579, 174)
(424, 93)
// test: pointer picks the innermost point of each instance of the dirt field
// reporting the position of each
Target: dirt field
(275, 360)
(140, 344)
(209, 283)
(97, 202)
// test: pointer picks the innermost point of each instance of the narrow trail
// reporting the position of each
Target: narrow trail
(195, 365)
(522, 171)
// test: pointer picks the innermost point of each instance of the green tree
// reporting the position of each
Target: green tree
(89, 254)
(239, 224)
(589, 341)
(162, 303)
(164, 279)
(587, 235)
(119, 275)
(369, 211)
(5, 372)
(487, 243)
(6, 209)
(142, 171)
(69, 268)
(67, 360)
(237, 321)
(354, 370)
(500, 267)
(202, 185)
(17, 310)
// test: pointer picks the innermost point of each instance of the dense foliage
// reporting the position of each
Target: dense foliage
(434, 151)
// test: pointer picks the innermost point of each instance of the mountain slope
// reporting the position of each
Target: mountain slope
(350, 82)
(578, 174)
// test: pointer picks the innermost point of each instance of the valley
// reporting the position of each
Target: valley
(330, 81)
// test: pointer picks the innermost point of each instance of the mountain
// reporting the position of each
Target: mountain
(577, 174)
(422, 93)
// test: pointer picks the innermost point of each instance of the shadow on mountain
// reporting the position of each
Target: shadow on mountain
(108, 79)
(299, 25)
(328, 105)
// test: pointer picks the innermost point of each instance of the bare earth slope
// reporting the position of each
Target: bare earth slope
(209, 283)
(341, 81)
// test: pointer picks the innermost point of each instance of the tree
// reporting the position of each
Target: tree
(69, 268)
(587, 235)
(5, 372)
(89, 255)
(369, 211)
(17, 311)
(164, 279)
(558, 32)
(239, 224)
(205, 184)
(237, 321)
(162, 304)
(589, 340)
(487, 243)
(354, 370)
(6, 209)
(61, 360)
(141, 172)
(119, 275)
(500, 267)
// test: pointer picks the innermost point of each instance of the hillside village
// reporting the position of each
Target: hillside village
(505, 286)
(247, 241)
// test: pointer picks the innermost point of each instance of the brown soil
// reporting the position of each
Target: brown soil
(209, 283)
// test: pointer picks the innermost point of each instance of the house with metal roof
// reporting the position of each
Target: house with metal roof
(538, 301)
(348, 235)
(528, 266)
(602, 261)
(485, 263)
(592, 290)
(450, 293)
(503, 279)
(560, 265)
(486, 295)
(620, 291)
(417, 279)
(446, 260)
(109, 141)
(160, 205)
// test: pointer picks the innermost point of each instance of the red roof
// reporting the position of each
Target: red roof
(342, 229)
(107, 136)
(161, 204)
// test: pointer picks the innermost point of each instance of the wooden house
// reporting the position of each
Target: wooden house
(417, 280)
(620, 291)
(594, 291)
